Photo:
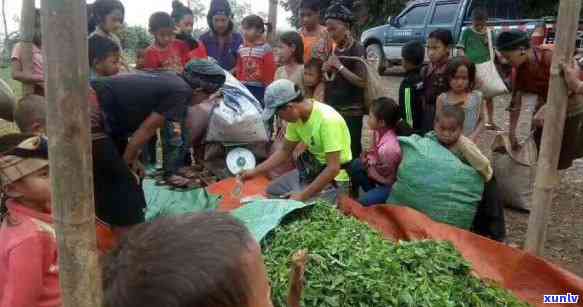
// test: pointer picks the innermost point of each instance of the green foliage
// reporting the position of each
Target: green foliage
(134, 38)
(352, 265)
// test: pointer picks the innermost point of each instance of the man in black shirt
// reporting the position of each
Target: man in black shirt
(134, 107)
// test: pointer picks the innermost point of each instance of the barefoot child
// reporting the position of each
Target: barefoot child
(474, 45)
(434, 76)
(461, 74)
(290, 54)
(255, 63)
(376, 171)
(314, 86)
(449, 123)
(104, 57)
(207, 259)
(29, 274)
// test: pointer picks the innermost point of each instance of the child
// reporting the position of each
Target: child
(207, 259)
(410, 91)
(106, 18)
(461, 74)
(104, 57)
(166, 53)
(29, 115)
(36, 77)
(449, 123)
(313, 84)
(290, 53)
(141, 59)
(29, 274)
(434, 76)
(184, 20)
(474, 45)
(255, 63)
(317, 41)
(376, 171)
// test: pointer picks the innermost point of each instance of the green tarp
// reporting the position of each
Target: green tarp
(260, 216)
(162, 201)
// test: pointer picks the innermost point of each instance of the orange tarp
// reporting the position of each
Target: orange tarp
(527, 276)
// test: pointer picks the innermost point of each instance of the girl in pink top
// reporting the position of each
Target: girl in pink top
(29, 271)
(376, 171)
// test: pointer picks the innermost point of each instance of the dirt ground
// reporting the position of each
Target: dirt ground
(564, 245)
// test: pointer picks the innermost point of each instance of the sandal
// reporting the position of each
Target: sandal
(493, 127)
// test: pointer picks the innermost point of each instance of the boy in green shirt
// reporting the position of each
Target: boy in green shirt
(315, 124)
(474, 45)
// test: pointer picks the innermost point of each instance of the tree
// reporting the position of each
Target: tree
(240, 9)
(134, 38)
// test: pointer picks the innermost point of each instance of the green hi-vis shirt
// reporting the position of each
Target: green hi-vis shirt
(324, 132)
(475, 46)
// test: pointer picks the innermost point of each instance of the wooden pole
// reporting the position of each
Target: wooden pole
(547, 177)
(27, 23)
(272, 19)
(66, 75)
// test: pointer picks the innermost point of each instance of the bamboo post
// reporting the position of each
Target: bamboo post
(27, 23)
(272, 19)
(547, 177)
(66, 77)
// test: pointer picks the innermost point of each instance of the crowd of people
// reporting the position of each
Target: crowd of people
(313, 93)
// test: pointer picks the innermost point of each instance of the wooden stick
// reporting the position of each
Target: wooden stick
(296, 286)
(27, 28)
(272, 19)
(547, 177)
(66, 75)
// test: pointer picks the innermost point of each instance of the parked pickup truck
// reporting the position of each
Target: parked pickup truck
(383, 44)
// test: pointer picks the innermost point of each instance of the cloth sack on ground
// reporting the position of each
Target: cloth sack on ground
(236, 118)
(435, 182)
(7, 101)
(492, 84)
(515, 171)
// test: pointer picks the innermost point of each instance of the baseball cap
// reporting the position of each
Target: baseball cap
(278, 94)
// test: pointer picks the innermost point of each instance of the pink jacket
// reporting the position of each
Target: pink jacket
(385, 154)
(29, 271)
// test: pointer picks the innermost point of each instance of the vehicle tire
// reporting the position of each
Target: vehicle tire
(376, 56)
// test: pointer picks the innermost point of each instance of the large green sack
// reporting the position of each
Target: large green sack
(161, 201)
(435, 182)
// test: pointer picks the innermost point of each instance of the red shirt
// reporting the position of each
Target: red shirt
(173, 57)
(533, 76)
(199, 53)
(256, 64)
(29, 270)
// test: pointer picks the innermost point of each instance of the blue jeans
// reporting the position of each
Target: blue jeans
(176, 143)
(375, 193)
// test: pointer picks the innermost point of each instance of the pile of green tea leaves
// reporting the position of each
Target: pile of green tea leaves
(352, 265)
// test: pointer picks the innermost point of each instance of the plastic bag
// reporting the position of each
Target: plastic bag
(236, 118)
(492, 84)
(515, 171)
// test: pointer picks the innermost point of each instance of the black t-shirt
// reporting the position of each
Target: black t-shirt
(340, 93)
(126, 100)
